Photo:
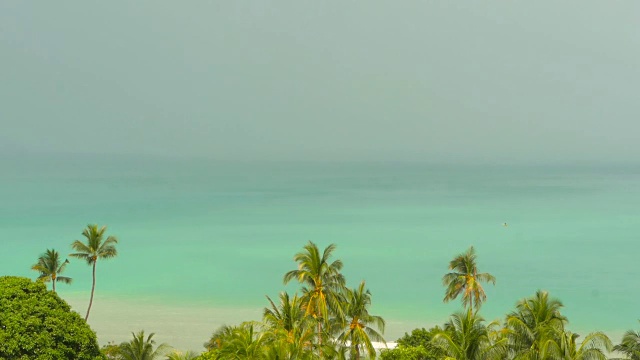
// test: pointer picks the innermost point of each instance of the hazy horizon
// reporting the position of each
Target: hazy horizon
(491, 82)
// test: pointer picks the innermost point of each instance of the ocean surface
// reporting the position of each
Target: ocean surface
(203, 242)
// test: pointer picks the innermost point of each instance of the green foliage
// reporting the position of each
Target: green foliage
(630, 345)
(593, 347)
(177, 355)
(465, 279)
(356, 326)
(290, 332)
(50, 268)
(244, 341)
(322, 280)
(466, 337)
(111, 351)
(96, 247)
(141, 348)
(37, 324)
(407, 353)
(536, 327)
(418, 337)
(323, 286)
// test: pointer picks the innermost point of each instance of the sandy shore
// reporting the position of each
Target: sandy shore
(182, 327)
(189, 327)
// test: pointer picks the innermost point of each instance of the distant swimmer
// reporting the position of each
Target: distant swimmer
(505, 224)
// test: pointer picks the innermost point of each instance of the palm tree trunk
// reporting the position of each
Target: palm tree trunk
(93, 287)
(54, 284)
(320, 338)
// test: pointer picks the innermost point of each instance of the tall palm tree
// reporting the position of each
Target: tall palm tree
(630, 345)
(50, 268)
(356, 327)
(140, 348)
(465, 279)
(322, 283)
(593, 347)
(536, 328)
(96, 247)
(466, 337)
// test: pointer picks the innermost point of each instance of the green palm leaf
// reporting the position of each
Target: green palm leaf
(50, 267)
(465, 279)
(95, 247)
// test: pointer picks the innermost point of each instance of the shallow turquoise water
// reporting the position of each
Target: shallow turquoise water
(223, 235)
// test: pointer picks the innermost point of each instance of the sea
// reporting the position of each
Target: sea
(202, 243)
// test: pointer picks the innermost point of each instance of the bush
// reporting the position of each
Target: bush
(406, 353)
(37, 324)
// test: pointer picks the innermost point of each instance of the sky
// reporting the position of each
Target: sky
(498, 81)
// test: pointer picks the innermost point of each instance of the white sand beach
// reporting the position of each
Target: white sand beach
(182, 327)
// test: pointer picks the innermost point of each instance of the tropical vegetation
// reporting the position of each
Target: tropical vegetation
(324, 319)
(37, 324)
(142, 348)
(464, 279)
(50, 268)
(96, 247)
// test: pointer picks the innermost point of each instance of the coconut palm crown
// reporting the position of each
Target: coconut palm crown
(465, 279)
(593, 347)
(466, 337)
(630, 345)
(140, 348)
(357, 327)
(536, 327)
(96, 247)
(322, 283)
(50, 268)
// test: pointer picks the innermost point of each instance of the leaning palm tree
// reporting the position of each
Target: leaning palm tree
(356, 327)
(140, 348)
(96, 247)
(593, 347)
(630, 345)
(50, 268)
(536, 328)
(465, 279)
(323, 283)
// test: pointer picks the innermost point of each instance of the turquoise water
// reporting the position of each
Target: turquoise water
(202, 233)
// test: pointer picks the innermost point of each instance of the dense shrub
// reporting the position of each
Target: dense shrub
(37, 324)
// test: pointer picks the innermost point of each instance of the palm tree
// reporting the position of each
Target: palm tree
(289, 328)
(466, 337)
(176, 355)
(50, 268)
(95, 248)
(243, 342)
(322, 281)
(356, 327)
(630, 345)
(536, 328)
(466, 280)
(140, 348)
(222, 334)
(593, 346)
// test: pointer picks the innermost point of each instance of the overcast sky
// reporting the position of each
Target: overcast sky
(321, 80)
